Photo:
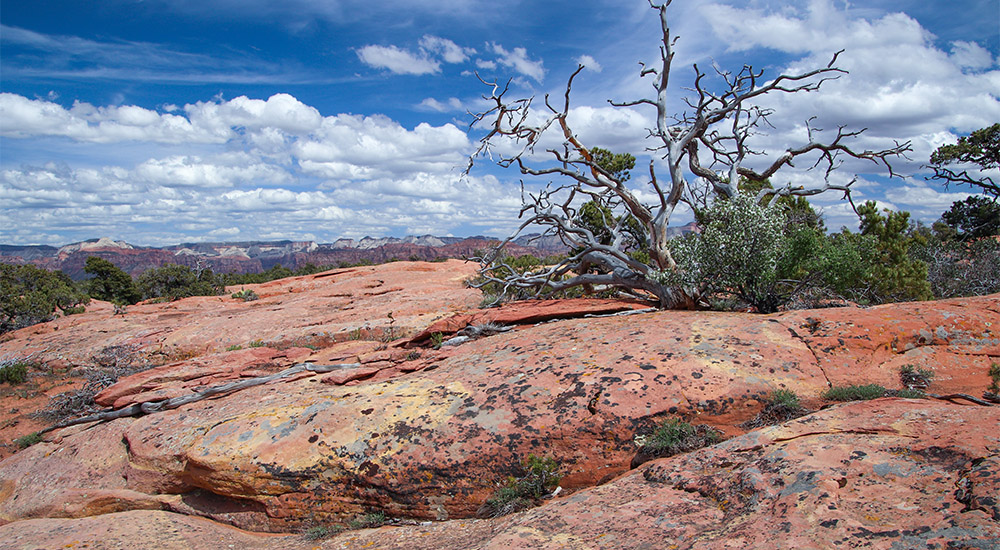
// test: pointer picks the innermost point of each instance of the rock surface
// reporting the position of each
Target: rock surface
(882, 474)
(426, 434)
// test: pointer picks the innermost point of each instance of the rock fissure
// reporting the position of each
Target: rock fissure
(816, 358)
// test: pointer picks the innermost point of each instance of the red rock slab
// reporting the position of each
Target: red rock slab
(141, 530)
(206, 370)
(314, 310)
(528, 312)
(68, 475)
(883, 474)
(433, 443)
(956, 339)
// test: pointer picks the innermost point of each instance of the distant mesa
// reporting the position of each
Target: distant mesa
(95, 244)
(258, 256)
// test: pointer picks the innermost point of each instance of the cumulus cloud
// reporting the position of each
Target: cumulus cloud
(589, 62)
(971, 55)
(397, 60)
(900, 85)
(274, 163)
(518, 60)
(448, 50)
(21, 117)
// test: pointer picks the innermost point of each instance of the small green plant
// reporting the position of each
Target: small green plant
(781, 405)
(318, 532)
(436, 340)
(993, 392)
(675, 436)
(234, 347)
(14, 371)
(73, 310)
(246, 294)
(854, 393)
(369, 520)
(914, 378)
(28, 440)
(540, 476)
(258, 343)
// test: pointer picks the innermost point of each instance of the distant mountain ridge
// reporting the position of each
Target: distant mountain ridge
(256, 256)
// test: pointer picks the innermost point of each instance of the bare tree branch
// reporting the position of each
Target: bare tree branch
(719, 127)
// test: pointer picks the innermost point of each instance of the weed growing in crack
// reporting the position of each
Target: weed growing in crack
(781, 406)
(540, 476)
(673, 437)
(369, 520)
(993, 392)
(914, 378)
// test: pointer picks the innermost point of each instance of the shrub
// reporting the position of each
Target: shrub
(28, 440)
(369, 520)
(957, 268)
(737, 252)
(437, 339)
(174, 282)
(234, 347)
(854, 393)
(675, 436)
(29, 295)
(993, 392)
(246, 294)
(322, 531)
(258, 343)
(110, 364)
(914, 378)
(14, 370)
(781, 405)
(539, 477)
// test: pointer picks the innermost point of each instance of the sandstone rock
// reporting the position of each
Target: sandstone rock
(527, 312)
(315, 310)
(883, 474)
(879, 475)
(431, 444)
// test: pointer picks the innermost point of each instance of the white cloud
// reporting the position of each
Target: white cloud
(517, 59)
(448, 50)
(352, 147)
(21, 117)
(589, 62)
(451, 104)
(971, 55)
(192, 171)
(397, 60)
(486, 64)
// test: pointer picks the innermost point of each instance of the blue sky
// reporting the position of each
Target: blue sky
(157, 122)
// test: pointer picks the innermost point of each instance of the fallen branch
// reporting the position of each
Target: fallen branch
(140, 409)
(953, 396)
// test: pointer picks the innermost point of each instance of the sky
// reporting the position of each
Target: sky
(166, 121)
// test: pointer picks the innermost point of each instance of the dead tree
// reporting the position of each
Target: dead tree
(710, 143)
